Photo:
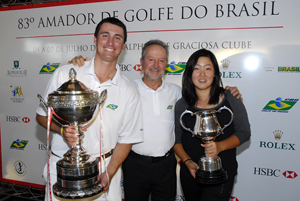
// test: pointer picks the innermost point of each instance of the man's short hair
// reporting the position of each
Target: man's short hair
(155, 42)
(113, 21)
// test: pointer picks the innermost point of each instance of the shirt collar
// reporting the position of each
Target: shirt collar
(142, 86)
(90, 70)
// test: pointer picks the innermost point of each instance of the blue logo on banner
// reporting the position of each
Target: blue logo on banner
(20, 168)
(16, 64)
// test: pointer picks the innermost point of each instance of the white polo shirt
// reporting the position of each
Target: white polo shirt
(158, 116)
(121, 112)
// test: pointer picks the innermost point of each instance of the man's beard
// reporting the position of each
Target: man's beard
(151, 78)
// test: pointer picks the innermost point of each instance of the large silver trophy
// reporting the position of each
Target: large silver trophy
(74, 104)
(208, 128)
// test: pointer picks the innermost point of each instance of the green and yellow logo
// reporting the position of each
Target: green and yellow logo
(49, 68)
(289, 69)
(170, 107)
(174, 68)
(19, 144)
(112, 106)
(280, 105)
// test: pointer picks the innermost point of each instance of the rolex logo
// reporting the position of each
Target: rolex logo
(277, 134)
(225, 64)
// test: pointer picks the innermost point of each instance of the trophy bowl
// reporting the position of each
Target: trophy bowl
(208, 128)
(77, 172)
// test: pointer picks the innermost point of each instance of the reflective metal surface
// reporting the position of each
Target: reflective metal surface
(74, 104)
(210, 163)
(208, 128)
(206, 125)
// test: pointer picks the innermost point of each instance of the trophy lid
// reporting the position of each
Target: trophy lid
(73, 93)
(73, 86)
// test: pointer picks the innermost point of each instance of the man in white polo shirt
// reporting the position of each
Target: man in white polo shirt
(121, 112)
(150, 167)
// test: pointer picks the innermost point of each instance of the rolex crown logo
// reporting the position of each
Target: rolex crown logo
(225, 64)
(277, 134)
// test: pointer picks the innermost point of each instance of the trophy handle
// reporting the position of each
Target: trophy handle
(62, 122)
(226, 108)
(103, 96)
(42, 100)
(185, 128)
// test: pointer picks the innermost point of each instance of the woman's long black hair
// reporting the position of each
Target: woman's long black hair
(188, 88)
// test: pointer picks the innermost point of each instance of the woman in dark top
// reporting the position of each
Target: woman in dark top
(202, 89)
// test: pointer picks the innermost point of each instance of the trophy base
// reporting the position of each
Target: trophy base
(77, 193)
(211, 177)
(77, 181)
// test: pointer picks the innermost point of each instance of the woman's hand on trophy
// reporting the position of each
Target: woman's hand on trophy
(79, 60)
(211, 149)
(69, 134)
(192, 166)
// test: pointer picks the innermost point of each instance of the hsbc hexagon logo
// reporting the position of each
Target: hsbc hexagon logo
(234, 199)
(290, 174)
(25, 119)
(138, 67)
(17, 119)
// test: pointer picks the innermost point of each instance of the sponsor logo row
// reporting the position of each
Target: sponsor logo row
(278, 105)
(20, 170)
(172, 68)
(274, 144)
(288, 146)
(50, 68)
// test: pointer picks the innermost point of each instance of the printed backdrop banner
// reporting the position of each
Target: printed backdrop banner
(257, 45)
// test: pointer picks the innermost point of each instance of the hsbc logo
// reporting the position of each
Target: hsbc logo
(124, 67)
(234, 199)
(274, 173)
(266, 172)
(17, 119)
(138, 67)
(26, 120)
(290, 174)
(42, 146)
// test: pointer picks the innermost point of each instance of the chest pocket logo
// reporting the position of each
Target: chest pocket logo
(112, 106)
(170, 107)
